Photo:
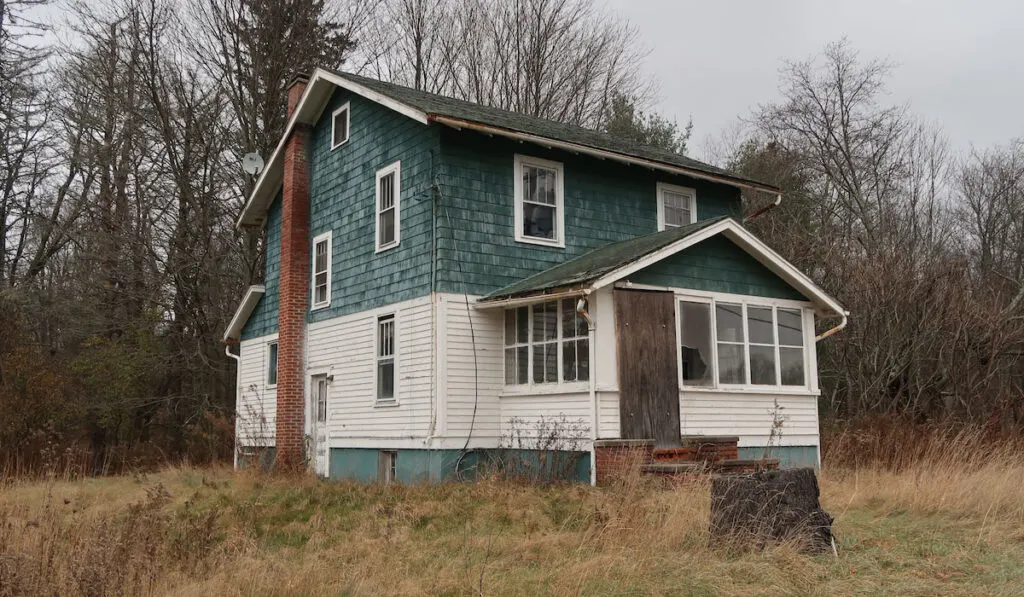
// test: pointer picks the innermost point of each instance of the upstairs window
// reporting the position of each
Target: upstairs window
(322, 271)
(386, 358)
(272, 364)
(539, 203)
(389, 190)
(546, 343)
(741, 344)
(677, 206)
(339, 126)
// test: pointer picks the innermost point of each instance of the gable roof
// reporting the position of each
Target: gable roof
(252, 296)
(459, 114)
(611, 263)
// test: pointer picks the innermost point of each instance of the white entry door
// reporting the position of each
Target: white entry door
(318, 457)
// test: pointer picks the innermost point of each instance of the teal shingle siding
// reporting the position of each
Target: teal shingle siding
(716, 265)
(605, 202)
(263, 320)
(342, 195)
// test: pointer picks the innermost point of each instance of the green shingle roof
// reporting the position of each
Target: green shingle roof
(597, 263)
(439, 105)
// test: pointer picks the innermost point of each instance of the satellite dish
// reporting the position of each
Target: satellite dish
(252, 163)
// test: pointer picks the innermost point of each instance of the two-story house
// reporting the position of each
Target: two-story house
(437, 269)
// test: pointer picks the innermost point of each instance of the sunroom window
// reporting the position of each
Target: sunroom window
(754, 344)
(546, 343)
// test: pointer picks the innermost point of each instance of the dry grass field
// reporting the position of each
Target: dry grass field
(951, 523)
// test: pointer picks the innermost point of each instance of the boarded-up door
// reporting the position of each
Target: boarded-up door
(645, 329)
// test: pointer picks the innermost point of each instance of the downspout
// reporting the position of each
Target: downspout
(582, 307)
(238, 390)
(819, 338)
(765, 209)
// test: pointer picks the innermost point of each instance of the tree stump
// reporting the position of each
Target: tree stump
(769, 507)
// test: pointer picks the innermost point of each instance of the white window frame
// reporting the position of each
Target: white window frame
(395, 168)
(806, 321)
(393, 401)
(326, 236)
(661, 188)
(517, 190)
(266, 361)
(348, 125)
(532, 387)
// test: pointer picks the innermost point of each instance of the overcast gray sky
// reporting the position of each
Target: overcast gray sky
(960, 64)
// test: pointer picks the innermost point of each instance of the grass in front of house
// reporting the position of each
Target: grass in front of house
(203, 532)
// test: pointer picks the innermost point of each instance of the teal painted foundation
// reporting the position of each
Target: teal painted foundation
(789, 456)
(437, 466)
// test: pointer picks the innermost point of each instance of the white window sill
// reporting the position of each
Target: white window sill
(386, 248)
(270, 387)
(781, 391)
(545, 389)
(333, 147)
(321, 306)
(386, 403)
(557, 244)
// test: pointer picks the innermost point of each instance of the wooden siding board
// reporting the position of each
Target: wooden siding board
(605, 202)
(716, 265)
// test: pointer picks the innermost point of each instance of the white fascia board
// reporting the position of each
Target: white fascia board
(245, 308)
(307, 111)
(746, 241)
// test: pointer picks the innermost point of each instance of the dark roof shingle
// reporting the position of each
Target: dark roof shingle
(598, 262)
(433, 104)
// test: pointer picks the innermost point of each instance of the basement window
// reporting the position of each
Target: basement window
(322, 271)
(339, 126)
(389, 190)
(546, 343)
(539, 201)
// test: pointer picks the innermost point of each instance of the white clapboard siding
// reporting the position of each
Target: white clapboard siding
(257, 404)
(530, 421)
(750, 416)
(472, 382)
(345, 347)
(608, 414)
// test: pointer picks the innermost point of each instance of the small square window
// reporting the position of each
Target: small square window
(677, 206)
(339, 126)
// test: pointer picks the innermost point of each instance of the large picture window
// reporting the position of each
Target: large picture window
(539, 204)
(741, 344)
(546, 343)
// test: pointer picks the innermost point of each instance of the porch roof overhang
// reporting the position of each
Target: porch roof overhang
(609, 264)
(242, 313)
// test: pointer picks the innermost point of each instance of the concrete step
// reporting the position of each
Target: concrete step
(737, 465)
(673, 468)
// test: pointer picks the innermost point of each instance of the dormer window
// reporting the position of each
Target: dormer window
(677, 206)
(540, 209)
(339, 126)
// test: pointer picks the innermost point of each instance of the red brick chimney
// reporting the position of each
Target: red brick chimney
(293, 299)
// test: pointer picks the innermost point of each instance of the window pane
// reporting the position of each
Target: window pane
(569, 361)
(340, 126)
(387, 227)
(538, 363)
(272, 365)
(321, 256)
(696, 343)
(522, 325)
(321, 400)
(582, 360)
(573, 324)
(510, 327)
(386, 379)
(321, 294)
(551, 362)
(762, 365)
(510, 366)
(523, 363)
(792, 362)
(545, 322)
(759, 325)
(387, 195)
(791, 328)
(539, 185)
(538, 221)
(731, 364)
(386, 337)
(729, 322)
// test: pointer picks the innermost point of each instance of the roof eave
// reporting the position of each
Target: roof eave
(604, 154)
(245, 308)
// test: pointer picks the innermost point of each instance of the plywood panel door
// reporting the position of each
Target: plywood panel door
(645, 326)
